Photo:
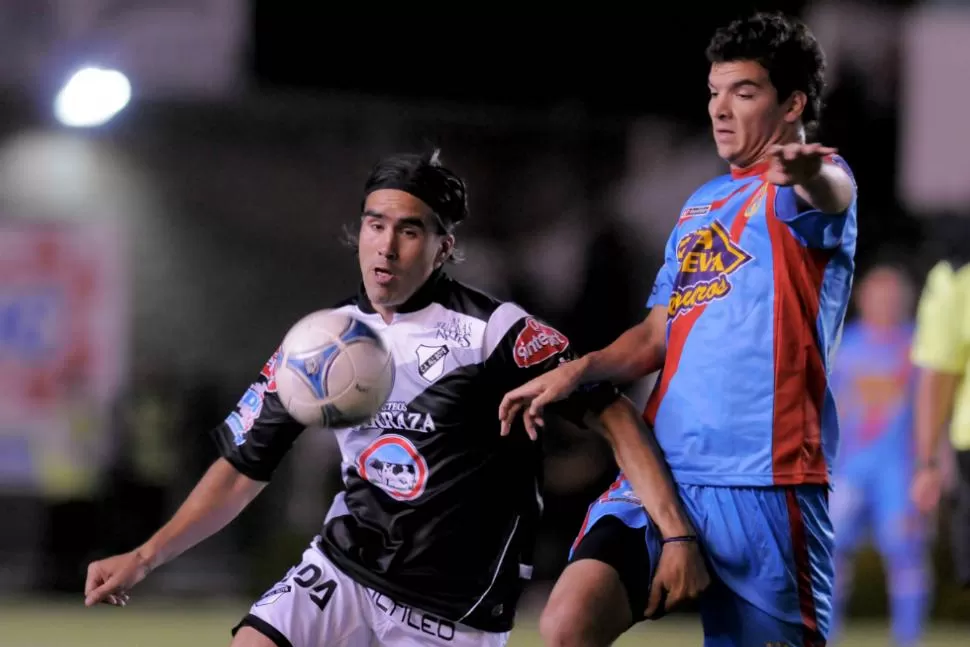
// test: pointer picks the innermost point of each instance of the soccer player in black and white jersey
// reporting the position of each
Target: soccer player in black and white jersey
(432, 537)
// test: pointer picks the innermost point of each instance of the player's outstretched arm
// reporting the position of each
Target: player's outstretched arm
(220, 495)
(681, 573)
(826, 187)
(635, 354)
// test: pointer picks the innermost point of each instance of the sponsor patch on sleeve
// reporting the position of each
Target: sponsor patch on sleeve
(537, 342)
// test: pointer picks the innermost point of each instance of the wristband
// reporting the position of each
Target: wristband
(679, 540)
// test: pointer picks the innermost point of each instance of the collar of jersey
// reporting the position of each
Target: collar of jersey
(751, 171)
(425, 296)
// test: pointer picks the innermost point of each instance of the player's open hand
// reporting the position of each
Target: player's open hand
(531, 397)
(109, 580)
(791, 164)
(681, 575)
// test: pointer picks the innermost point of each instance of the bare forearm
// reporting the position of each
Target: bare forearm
(635, 354)
(831, 191)
(641, 459)
(217, 499)
(934, 400)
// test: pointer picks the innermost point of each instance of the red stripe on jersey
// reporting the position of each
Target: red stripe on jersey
(800, 379)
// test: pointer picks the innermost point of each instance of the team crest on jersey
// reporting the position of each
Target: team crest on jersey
(431, 361)
(269, 370)
(756, 201)
(536, 343)
(706, 259)
(394, 464)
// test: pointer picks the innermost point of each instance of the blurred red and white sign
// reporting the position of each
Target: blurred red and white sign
(63, 335)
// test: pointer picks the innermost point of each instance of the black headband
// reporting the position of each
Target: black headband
(445, 209)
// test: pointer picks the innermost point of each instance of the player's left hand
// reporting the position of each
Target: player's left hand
(681, 575)
(791, 164)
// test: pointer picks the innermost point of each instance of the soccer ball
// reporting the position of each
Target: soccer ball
(334, 371)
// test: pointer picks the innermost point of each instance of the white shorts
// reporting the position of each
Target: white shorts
(317, 605)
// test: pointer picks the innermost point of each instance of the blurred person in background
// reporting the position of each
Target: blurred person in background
(432, 537)
(872, 380)
(743, 317)
(941, 351)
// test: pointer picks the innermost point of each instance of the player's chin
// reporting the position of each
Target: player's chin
(727, 152)
(382, 295)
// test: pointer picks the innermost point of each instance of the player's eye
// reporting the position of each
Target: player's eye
(745, 95)
(410, 233)
(376, 226)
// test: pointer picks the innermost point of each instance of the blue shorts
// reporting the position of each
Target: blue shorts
(769, 550)
(870, 499)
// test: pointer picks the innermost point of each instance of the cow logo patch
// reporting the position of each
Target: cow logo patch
(537, 342)
(393, 464)
(431, 361)
(706, 259)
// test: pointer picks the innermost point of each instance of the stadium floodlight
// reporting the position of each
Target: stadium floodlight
(91, 97)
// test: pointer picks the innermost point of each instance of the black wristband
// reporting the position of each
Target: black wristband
(679, 540)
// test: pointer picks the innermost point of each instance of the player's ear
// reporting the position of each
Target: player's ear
(446, 247)
(795, 106)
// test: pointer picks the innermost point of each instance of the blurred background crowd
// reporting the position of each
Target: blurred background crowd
(150, 264)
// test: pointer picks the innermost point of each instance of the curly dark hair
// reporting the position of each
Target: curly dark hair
(785, 47)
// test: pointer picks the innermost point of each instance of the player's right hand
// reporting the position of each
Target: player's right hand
(681, 575)
(110, 579)
(531, 397)
(926, 489)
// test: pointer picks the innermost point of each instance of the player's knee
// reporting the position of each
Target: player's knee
(562, 626)
(587, 608)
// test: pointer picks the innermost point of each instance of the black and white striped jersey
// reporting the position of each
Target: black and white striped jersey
(439, 511)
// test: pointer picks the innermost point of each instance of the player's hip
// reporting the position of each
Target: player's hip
(317, 603)
(770, 545)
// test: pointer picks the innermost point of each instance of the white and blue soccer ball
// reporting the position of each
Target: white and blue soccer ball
(334, 371)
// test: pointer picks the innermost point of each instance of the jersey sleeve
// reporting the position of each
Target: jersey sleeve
(520, 347)
(259, 432)
(663, 285)
(939, 342)
(814, 228)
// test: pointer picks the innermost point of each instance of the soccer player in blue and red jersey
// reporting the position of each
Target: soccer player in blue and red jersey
(743, 319)
(873, 381)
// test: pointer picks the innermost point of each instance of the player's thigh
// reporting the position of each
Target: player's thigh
(900, 529)
(848, 510)
(604, 589)
(771, 548)
(731, 621)
(314, 605)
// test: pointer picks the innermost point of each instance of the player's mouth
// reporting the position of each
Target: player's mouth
(383, 276)
(723, 133)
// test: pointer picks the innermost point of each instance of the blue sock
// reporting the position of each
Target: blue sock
(909, 592)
